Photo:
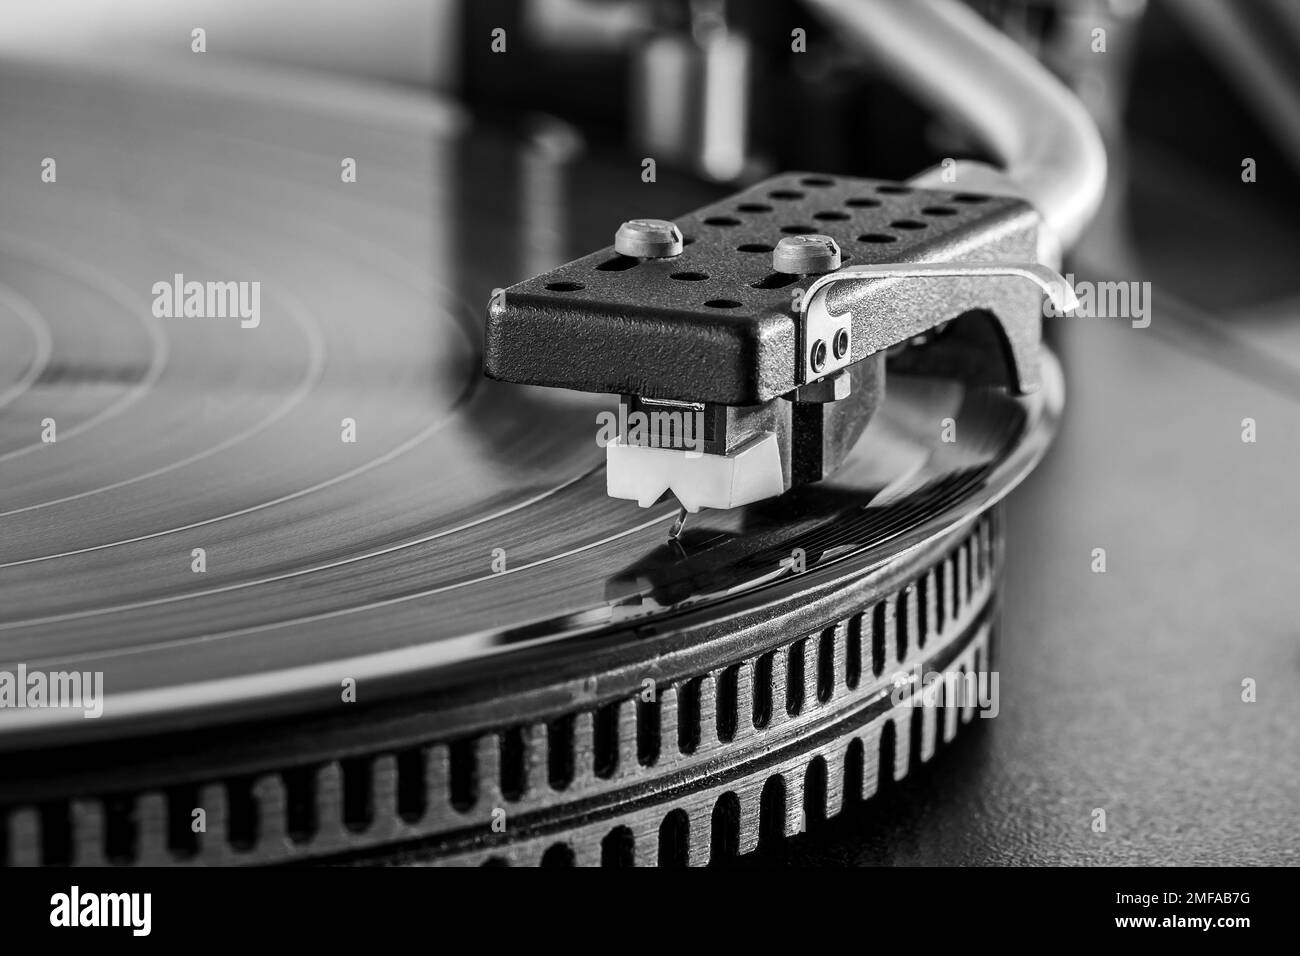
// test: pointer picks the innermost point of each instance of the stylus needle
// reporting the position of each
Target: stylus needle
(678, 525)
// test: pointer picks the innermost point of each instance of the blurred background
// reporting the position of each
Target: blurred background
(1183, 89)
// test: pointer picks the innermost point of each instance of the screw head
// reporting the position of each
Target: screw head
(648, 239)
(806, 255)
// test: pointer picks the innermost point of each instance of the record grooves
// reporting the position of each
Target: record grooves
(478, 687)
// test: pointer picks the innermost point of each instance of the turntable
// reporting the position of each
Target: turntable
(347, 598)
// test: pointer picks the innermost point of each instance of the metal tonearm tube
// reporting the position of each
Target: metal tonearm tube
(944, 53)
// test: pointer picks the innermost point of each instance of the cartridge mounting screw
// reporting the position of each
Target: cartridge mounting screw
(648, 239)
(806, 255)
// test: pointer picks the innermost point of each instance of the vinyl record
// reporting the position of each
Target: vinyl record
(246, 515)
